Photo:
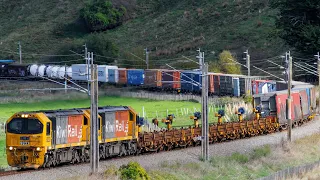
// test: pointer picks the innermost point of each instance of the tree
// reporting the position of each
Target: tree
(101, 45)
(227, 63)
(100, 15)
(299, 23)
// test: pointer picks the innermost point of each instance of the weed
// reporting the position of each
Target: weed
(111, 171)
(261, 152)
(241, 158)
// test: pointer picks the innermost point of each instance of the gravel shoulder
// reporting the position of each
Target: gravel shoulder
(152, 161)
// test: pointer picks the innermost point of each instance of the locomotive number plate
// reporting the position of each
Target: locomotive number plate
(24, 143)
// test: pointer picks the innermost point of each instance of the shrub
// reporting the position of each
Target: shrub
(261, 152)
(133, 171)
(101, 15)
(248, 99)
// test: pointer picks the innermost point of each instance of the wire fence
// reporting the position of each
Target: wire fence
(174, 97)
(292, 172)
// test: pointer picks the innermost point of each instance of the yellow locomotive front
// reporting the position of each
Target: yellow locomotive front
(27, 138)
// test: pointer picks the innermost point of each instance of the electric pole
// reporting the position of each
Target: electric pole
(87, 59)
(200, 58)
(94, 145)
(247, 58)
(147, 57)
(204, 104)
(20, 53)
(318, 62)
(289, 101)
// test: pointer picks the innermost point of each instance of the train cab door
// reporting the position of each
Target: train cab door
(86, 127)
(49, 139)
(99, 128)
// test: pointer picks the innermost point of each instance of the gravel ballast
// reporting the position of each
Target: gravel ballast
(152, 161)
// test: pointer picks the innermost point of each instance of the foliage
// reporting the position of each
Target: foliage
(101, 15)
(101, 45)
(133, 171)
(227, 63)
(299, 23)
(261, 152)
(214, 67)
(248, 99)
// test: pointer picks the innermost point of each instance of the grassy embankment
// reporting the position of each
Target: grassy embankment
(259, 163)
(52, 27)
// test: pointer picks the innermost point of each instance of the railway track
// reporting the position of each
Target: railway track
(62, 166)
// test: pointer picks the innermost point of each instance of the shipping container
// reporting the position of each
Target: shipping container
(304, 102)
(75, 128)
(171, 79)
(122, 76)
(236, 87)
(191, 81)
(113, 75)
(214, 83)
(80, 72)
(135, 76)
(103, 73)
(226, 85)
(153, 78)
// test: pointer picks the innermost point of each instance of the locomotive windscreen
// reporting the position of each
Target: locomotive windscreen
(24, 126)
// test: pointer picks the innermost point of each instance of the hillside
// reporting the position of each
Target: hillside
(55, 27)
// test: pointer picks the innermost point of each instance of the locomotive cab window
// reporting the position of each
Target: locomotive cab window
(24, 126)
(131, 116)
(85, 120)
(48, 129)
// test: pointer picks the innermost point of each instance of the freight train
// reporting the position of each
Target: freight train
(152, 79)
(49, 138)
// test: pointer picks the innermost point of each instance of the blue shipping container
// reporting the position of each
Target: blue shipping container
(135, 76)
(191, 81)
(236, 87)
(112, 75)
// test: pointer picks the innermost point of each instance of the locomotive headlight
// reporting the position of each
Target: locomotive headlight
(38, 149)
(10, 148)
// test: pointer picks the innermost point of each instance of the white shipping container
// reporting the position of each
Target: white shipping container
(80, 72)
(103, 72)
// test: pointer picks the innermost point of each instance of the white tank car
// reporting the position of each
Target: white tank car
(49, 71)
(42, 70)
(69, 72)
(34, 69)
(62, 72)
(54, 72)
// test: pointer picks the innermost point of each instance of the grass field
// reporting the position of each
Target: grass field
(152, 108)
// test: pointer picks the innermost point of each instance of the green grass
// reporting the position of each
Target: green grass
(152, 108)
(3, 160)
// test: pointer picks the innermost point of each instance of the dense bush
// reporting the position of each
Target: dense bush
(228, 64)
(102, 15)
(133, 171)
(101, 45)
